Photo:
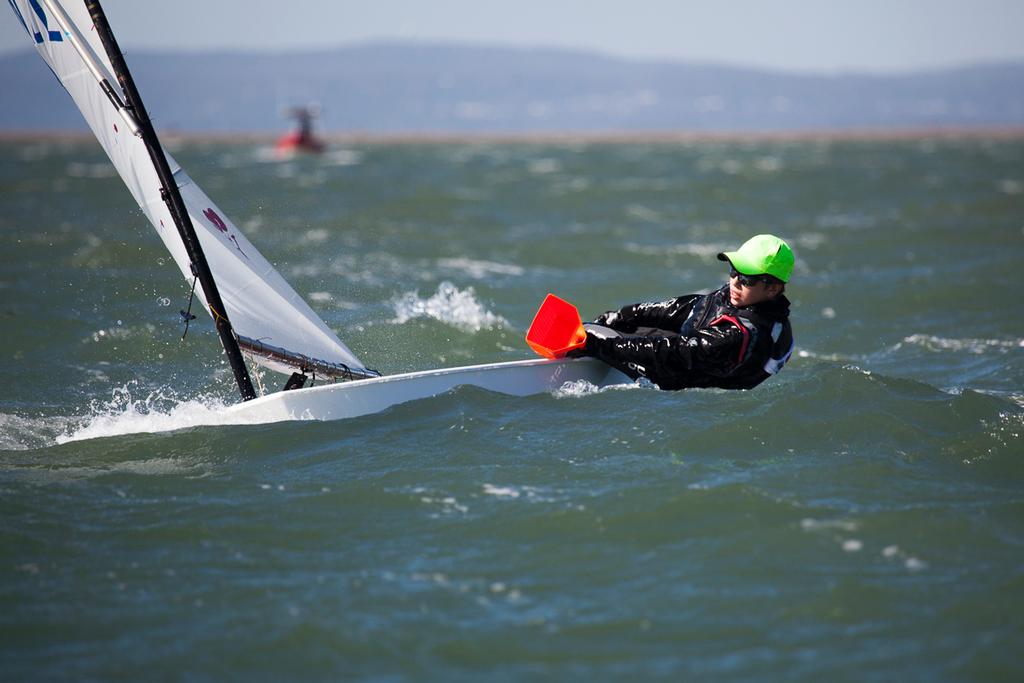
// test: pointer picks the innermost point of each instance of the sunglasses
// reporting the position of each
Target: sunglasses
(748, 280)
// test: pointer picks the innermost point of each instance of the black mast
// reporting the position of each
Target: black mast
(175, 204)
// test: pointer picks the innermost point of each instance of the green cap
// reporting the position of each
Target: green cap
(762, 255)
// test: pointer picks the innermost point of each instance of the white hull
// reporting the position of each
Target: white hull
(366, 396)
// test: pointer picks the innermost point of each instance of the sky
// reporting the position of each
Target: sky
(833, 36)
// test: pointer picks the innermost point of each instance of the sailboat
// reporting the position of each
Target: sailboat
(301, 139)
(258, 316)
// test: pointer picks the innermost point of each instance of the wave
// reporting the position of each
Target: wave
(708, 252)
(818, 407)
(158, 411)
(975, 346)
(21, 433)
(449, 305)
(846, 407)
(841, 532)
(579, 388)
(926, 342)
(525, 493)
(480, 269)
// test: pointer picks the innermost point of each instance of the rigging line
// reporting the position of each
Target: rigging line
(216, 315)
(187, 315)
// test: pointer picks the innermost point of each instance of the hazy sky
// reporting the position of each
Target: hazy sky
(816, 35)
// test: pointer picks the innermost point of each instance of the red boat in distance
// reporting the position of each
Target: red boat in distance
(301, 139)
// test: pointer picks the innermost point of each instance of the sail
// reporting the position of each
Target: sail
(262, 306)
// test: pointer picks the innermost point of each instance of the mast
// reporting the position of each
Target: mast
(172, 198)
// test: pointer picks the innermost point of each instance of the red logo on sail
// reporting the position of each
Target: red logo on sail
(216, 220)
(219, 223)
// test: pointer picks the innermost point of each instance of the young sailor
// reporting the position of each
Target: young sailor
(733, 338)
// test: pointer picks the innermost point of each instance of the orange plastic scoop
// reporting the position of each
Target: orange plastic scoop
(557, 328)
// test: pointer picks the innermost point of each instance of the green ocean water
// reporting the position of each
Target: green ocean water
(860, 517)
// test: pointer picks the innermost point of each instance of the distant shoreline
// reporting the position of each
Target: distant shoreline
(552, 137)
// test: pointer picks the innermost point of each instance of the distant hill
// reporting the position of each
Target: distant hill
(408, 88)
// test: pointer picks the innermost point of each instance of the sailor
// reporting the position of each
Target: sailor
(733, 338)
(304, 124)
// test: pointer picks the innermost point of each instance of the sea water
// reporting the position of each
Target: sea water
(859, 517)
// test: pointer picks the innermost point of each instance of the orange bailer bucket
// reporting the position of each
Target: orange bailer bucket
(556, 329)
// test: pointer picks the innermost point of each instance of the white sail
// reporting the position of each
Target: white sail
(259, 303)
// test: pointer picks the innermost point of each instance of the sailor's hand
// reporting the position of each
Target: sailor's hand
(608, 319)
(585, 350)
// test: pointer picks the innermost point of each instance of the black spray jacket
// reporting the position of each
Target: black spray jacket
(697, 340)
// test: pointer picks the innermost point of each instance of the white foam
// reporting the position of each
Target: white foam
(450, 305)
(835, 357)
(35, 152)
(266, 155)
(810, 240)
(915, 565)
(768, 164)
(706, 251)
(1010, 186)
(809, 524)
(501, 491)
(582, 387)
(120, 331)
(575, 389)
(157, 412)
(643, 213)
(545, 166)
(314, 236)
(448, 504)
(480, 269)
(976, 346)
(527, 493)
